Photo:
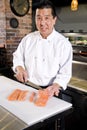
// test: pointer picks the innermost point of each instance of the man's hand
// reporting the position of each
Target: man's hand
(21, 74)
(54, 89)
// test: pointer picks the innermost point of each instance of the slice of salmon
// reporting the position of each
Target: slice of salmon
(22, 95)
(14, 95)
(40, 102)
(42, 98)
(32, 97)
(43, 94)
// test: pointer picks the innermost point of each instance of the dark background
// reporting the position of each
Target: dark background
(58, 3)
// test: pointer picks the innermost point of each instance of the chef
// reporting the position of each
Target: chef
(44, 56)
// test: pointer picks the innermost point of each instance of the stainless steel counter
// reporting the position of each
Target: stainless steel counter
(79, 76)
(78, 84)
(79, 70)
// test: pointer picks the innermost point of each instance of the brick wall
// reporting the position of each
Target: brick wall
(2, 23)
(12, 36)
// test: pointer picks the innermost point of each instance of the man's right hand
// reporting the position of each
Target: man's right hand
(21, 74)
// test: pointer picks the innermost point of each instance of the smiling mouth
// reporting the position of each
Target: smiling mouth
(43, 29)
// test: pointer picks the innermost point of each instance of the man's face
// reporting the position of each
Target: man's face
(45, 21)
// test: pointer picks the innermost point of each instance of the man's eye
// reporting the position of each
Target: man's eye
(38, 18)
(46, 18)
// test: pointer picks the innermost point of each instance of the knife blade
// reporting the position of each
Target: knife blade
(33, 85)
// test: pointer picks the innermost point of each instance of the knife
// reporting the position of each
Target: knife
(32, 85)
(29, 83)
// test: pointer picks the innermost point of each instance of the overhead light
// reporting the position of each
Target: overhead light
(74, 5)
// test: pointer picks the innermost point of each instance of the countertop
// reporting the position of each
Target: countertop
(78, 84)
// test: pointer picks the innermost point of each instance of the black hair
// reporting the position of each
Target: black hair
(47, 4)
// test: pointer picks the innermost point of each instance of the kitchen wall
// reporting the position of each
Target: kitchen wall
(9, 36)
(2, 23)
(72, 21)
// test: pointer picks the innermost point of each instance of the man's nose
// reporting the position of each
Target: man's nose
(42, 22)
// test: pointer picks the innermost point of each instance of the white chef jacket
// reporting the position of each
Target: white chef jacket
(47, 61)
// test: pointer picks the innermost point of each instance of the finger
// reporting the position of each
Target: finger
(56, 93)
(19, 77)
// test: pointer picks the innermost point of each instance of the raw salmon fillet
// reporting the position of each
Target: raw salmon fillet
(18, 94)
(42, 98)
(14, 95)
(32, 97)
(22, 95)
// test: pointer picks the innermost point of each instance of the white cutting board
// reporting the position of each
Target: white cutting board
(26, 110)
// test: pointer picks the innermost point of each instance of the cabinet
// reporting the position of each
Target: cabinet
(77, 120)
(79, 44)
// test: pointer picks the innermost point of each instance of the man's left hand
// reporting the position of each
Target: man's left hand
(54, 89)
